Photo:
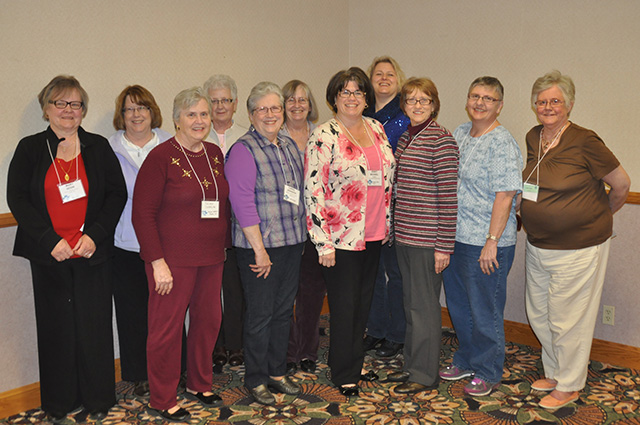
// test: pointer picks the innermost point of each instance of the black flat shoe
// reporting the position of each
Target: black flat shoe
(308, 366)
(219, 356)
(292, 367)
(401, 376)
(262, 395)
(285, 385)
(236, 358)
(371, 342)
(414, 387)
(389, 349)
(98, 415)
(369, 376)
(56, 418)
(179, 415)
(349, 391)
(141, 388)
(212, 400)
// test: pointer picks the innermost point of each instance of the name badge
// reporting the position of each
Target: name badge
(374, 177)
(71, 191)
(291, 194)
(210, 209)
(530, 192)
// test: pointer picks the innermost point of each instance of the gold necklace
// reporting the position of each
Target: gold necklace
(66, 172)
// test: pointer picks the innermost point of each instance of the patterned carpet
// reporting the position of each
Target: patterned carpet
(612, 396)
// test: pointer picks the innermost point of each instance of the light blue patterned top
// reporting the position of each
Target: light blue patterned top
(488, 164)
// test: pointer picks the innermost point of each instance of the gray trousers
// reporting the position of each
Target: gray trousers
(421, 293)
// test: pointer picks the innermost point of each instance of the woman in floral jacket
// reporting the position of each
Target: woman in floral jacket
(349, 169)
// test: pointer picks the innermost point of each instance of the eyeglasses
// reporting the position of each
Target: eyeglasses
(301, 100)
(132, 109)
(264, 110)
(551, 102)
(413, 101)
(346, 93)
(486, 99)
(61, 104)
(223, 101)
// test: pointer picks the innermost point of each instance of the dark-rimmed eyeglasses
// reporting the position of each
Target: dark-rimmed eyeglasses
(61, 104)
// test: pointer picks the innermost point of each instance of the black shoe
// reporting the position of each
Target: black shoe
(401, 376)
(308, 366)
(369, 376)
(349, 391)
(182, 383)
(212, 400)
(371, 342)
(414, 387)
(56, 418)
(285, 385)
(389, 349)
(179, 415)
(99, 415)
(141, 388)
(236, 358)
(262, 395)
(292, 367)
(219, 356)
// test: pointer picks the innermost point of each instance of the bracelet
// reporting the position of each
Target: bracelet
(492, 237)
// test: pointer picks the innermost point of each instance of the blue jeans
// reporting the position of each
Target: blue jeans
(386, 317)
(476, 306)
(269, 306)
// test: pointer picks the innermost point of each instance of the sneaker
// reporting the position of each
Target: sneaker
(454, 373)
(479, 387)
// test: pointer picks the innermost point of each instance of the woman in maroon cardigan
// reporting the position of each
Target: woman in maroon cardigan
(181, 218)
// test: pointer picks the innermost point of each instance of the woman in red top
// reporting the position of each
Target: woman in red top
(181, 219)
(66, 191)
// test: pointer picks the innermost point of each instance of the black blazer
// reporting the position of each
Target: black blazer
(36, 238)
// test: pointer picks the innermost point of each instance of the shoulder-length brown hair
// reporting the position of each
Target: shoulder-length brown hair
(141, 96)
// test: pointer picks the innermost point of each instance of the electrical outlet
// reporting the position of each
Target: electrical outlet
(608, 314)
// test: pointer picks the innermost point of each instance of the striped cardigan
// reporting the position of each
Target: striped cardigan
(425, 207)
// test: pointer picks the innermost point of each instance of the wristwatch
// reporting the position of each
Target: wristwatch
(492, 237)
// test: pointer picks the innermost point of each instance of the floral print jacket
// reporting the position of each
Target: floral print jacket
(335, 189)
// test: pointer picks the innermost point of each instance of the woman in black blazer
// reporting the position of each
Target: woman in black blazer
(66, 191)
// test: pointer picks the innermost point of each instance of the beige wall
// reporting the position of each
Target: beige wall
(169, 45)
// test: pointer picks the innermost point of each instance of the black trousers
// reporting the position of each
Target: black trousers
(230, 336)
(350, 286)
(131, 297)
(75, 339)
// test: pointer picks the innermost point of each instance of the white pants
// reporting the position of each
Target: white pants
(563, 297)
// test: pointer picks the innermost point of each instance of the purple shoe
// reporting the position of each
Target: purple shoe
(479, 387)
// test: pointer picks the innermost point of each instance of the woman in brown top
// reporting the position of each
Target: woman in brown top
(568, 217)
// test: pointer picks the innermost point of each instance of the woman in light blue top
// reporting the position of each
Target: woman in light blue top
(475, 282)
(137, 119)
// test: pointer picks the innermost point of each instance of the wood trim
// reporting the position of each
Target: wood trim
(7, 220)
(25, 398)
(601, 351)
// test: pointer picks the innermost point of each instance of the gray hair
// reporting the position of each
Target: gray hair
(554, 78)
(187, 98)
(221, 81)
(491, 82)
(259, 91)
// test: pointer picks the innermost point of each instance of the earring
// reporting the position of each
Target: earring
(177, 127)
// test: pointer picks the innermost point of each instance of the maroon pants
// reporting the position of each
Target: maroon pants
(196, 288)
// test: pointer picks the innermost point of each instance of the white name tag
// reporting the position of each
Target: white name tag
(210, 209)
(71, 191)
(291, 194)
(530, 192)
(374, 177)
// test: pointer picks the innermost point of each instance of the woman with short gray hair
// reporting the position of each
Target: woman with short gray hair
(180, 216)
(268, 231)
